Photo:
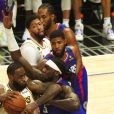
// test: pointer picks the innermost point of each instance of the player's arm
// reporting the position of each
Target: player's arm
(70, 98)
(71, 41)
(38, 87)
(51, 92)
(74, 52)
(13, 47)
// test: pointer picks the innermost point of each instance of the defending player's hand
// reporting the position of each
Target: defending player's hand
(30, 108)
(7, 19)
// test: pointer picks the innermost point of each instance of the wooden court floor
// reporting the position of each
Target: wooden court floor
(100, 83)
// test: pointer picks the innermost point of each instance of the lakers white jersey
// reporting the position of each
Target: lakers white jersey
(27, 94)
(33, 52)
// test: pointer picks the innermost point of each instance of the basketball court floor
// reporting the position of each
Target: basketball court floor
(100, 83)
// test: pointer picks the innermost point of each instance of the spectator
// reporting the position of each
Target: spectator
(31, 6)
(79, 28)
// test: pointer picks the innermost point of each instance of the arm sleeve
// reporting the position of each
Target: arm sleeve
(30, 53)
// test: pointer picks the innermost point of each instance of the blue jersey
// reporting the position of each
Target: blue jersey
(49, 109)
(3, 6)
(60, 26)
(79, 82)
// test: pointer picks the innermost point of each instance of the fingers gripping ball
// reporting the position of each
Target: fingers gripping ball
(15, 105)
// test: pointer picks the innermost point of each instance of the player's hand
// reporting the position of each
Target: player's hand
(8, 95)
(7, 19)
(30, 108)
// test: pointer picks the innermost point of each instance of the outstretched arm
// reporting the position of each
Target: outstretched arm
(51, 92)
(71, 41)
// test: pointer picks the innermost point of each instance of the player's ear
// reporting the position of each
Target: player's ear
(57, 73)
(10, 77)
(65, 41)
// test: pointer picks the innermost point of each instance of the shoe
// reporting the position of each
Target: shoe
(79, 32)
(108, 32)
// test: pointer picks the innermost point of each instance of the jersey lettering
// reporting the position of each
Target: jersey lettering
(45, 109)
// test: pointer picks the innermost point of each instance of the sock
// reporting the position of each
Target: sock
(66, 22)
(78, 23)
(107, 21)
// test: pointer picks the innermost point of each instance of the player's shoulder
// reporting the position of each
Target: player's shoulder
(69, 48)
(29, 43)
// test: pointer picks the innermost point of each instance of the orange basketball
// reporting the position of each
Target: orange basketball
(15, 105)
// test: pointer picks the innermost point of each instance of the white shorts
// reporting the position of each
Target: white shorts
(32, 5)
(95, 1)
(65, 5)
(3, 37)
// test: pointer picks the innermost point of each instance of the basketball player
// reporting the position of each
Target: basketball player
(35, 45)
(51, 71)
(46, 13)
(32, 6)
(68, 55)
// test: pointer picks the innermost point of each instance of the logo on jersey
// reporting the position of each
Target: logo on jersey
(73, 69)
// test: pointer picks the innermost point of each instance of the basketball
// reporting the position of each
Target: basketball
(15, 105)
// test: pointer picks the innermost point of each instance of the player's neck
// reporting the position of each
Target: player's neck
(51, 29)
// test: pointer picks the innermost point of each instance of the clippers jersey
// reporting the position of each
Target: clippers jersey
(49, 109)
(79, 82)
(27, 94)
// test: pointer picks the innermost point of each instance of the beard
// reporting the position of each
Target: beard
(40, 36)
(18, 86)
(60, 55)
(48, 25)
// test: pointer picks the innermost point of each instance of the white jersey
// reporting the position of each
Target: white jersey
(27, 94)
(33, 52)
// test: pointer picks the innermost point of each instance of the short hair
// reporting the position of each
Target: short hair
(57, 33)
(13, 67)
(47, 6)
(30, 19)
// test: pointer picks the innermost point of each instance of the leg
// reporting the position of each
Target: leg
(107, 26)
(35, 5)
(28, 8)
(66, 7)
(79, 26)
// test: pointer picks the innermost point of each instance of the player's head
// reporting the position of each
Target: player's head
(58, 43)
(17, 76)
(56, 68)
(35, 27)
(47, 15)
